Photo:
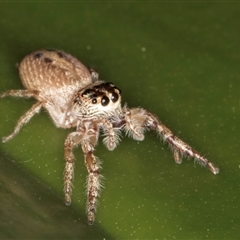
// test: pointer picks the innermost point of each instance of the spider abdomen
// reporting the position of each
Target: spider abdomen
(53, 71)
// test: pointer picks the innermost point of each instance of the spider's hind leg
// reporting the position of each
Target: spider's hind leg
(28, 115)
(23, 120)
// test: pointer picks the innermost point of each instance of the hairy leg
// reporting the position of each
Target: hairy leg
(72, 140)
(23, 120)
(87, 136)
(137, 120)
(93, 180)
(112, 135)
(19, 93)
(28, 115)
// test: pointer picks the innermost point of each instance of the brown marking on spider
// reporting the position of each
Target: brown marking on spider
(75, 97)
(47, 60)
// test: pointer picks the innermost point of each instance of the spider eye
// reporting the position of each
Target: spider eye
(94, 100)
(105, 101)
(114, 97)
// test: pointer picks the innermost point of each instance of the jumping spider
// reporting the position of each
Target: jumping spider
(75, 97)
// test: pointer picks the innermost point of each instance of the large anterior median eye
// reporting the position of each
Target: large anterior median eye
(105, 101)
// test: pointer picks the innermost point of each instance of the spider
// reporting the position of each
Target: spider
(75, 98)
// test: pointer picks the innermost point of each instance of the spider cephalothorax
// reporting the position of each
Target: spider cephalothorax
(74, 97)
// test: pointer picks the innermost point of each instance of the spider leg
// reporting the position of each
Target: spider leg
(93, 180)
(23, 120)
(19, 93)
(137, 120)
(87, 136)
(71, 141)
(28, 115)
(112, 135)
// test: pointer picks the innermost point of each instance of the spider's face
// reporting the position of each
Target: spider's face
(98, 99)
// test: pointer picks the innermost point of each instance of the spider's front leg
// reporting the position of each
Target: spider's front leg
(137, 120)
(72, 140)
(87, 136)
(93, 179)
(111, 133)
